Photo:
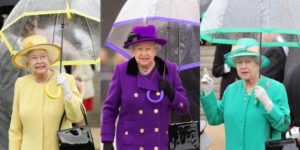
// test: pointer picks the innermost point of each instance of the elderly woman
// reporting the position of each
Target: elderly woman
(253, 109)
(37, 110)
(141, 97)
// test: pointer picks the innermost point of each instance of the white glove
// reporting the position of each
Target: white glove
(62, 80)
(226, 68)
(262, 96)
(206, 83)
(293, 133)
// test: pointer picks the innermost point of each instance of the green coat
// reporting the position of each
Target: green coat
(247, 124)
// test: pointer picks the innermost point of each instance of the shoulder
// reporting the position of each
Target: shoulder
(235, 84)
(24, 79)
(268, 83)
(170, 65)
(121, 67)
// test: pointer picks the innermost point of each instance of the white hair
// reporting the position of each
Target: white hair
(156, 46)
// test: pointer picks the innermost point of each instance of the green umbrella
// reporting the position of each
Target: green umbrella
(226, 21)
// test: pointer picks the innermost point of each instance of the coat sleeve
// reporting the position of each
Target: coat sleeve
(181, 103)
(279, 116)
(72, 107)
(111, 108)
(16, 128)
(213, 109)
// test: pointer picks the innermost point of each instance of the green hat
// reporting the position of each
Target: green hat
(245, 47)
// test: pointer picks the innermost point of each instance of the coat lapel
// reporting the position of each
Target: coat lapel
(146, 82)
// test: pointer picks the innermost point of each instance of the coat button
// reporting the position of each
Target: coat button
(181, 104)
(167, 132)
(141, 112)
(142, 130)
(157, 93)
(156, 130)
(155, 111)
(155, 148)
(141, 148)
(136, 95)
(126, 133)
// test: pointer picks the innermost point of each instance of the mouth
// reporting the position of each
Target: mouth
(40, 67)
(244, 72)
(144, 59)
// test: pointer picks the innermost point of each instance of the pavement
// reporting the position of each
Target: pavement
(217, 136)
(96, 138)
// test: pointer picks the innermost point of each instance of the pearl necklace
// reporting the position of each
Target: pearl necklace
(249, 90)
(147, 71)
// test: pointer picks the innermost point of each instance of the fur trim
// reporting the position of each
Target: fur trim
(132, 67)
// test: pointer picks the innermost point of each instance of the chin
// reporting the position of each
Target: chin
(40, 72)
(144, 64)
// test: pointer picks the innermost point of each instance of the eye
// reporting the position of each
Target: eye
(33, 57)
(248, 61)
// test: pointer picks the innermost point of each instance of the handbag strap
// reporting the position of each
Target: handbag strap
(173, 116)
(63, 115)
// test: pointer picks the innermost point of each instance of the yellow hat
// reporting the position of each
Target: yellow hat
(35, 42)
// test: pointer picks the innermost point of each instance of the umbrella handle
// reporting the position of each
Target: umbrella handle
(52, 96)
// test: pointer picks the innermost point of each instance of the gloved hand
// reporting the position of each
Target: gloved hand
(167, 88)
(262, 96)
(62, 80)
(294, 133)
(108, 146)
(206, 83)
(226, 68)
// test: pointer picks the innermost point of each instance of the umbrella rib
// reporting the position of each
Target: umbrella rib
(178, 36)
(54, 28)
(21, 29)
(89, 31)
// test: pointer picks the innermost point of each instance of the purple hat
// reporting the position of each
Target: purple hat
(142, 34)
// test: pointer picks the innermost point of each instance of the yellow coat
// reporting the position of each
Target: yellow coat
(35, 117)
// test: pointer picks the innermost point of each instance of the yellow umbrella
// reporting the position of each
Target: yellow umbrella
(73, 25)
(81, 32)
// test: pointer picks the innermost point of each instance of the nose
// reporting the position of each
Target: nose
(39, 59)
(244, 65)
(144, 52)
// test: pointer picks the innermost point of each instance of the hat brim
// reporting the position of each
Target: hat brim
(230, 60)
(156, 40)
(18, 60)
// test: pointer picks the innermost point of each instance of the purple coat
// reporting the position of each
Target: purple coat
(142, 124)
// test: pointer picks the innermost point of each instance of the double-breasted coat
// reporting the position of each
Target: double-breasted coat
(247, 125)
(142, 125)
(35, 117)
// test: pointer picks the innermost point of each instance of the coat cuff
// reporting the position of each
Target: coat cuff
(180, 103)
(274, 115)
(208, 100)
(107, 137)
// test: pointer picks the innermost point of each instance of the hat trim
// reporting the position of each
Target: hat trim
(230, 59)
(156, 40)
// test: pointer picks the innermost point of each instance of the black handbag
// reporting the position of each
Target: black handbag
(185, 135)
(76, 138)
(284, 144)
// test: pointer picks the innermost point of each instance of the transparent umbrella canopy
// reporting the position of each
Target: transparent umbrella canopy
(226, 21)
(176, 21)
(81, 27)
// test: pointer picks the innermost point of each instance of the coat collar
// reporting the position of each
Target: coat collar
(132, 67)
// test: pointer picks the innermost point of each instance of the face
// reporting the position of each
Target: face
(144, 53)
(247, 68)
(38, 62)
